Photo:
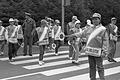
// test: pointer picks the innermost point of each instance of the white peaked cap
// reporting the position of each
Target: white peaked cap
(11, 19)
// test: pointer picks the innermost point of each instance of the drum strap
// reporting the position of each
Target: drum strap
(1, 32)
(43, 34)
(58, 31)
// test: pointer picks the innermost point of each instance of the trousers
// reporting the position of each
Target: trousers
(28, 41)
(42, 52)
(112, 49)
(2, 43)
(58, 44)
(93, 63)
(11, 49)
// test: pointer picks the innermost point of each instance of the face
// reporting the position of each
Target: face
(26, 16)
(16, 23)
(0, 23)
(11, 22)
(96, 21)
(114, 21)
(73, 20)
(78, 25)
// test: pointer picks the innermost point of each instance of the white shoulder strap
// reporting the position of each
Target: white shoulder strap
(13, 34)
(2, 30)
(43, 34)
(58, 31)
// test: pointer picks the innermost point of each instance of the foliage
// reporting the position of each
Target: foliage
(52, 8)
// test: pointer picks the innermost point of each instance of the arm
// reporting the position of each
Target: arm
(105, 47)
(34, 27)
(116, 29)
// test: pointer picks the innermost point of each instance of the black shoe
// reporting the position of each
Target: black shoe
(114, 60)
(24, 54)
(30, 54)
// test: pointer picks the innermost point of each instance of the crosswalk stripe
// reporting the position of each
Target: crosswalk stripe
(70, 69)
(35, 60)
(34, 55)
(52, 64)
(108, 72)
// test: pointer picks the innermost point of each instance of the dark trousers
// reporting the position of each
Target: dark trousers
(93, 63)
(18, 45)
(2, 43)
(112, 49)
(11, 49)
(58, 44)
(28, 41)
(70, 51)
(42, 51)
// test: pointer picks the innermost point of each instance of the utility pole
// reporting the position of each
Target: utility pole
(63, 14)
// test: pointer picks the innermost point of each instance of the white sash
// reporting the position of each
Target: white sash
(18, 27)
(58, 31)
(1, 32)
(95, 33)
(43, 34)
(13, 34)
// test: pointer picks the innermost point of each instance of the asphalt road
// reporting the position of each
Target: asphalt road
(55, 67)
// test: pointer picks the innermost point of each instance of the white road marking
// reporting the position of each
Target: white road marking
(115, 69)
(34, 55)
(108, 72)
(52, 63)
(70, 69)
(36, 60)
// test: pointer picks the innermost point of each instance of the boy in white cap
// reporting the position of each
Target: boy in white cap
(112, 31)
(96, 47)
(2, 38)
(57, 31)
(76, 42)
(43, 41)
(11, 37)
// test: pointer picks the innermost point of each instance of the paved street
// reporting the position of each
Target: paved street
(55, 67)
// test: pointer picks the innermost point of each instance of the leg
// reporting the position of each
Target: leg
(112, 49)
(41, 54)
(92, 66)
(57, 42)
(2, 46)
(10, 47)
(70, 51)
(76, 53)
(30, 45)
(25, 45)
(99, 63)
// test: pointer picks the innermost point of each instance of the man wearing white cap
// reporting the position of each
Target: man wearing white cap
(11, 37)
(2, 38)
(112, 30)
(96, 47)
(69, 27)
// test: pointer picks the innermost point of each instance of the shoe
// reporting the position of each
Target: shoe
(56, 54)
(30, 54)
(75, 61)
(70, 58)
(41, 63)
(24, 54)
(1, 53)
(114, 60)
(11, 60)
